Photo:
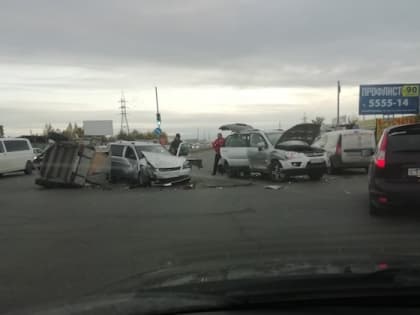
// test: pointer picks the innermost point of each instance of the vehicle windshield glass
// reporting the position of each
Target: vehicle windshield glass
(273, 137)
(404, 142)
(152, 148)
(204, 141)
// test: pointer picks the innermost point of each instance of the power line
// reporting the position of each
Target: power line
(123, 113)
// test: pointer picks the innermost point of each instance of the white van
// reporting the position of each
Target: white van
(16, 154)
(348, 148)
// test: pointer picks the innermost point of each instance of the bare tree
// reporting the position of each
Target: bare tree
(318, 120)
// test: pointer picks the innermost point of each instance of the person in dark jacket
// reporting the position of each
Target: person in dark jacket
(217, 144)
(175, 144)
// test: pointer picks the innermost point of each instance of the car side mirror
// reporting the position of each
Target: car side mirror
(261, 146)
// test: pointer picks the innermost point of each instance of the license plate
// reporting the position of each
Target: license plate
(316, 161)
(415, 172)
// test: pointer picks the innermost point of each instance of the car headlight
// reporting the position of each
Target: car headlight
(186, 164)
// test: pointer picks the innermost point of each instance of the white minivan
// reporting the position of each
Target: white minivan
(16, 154)
(351, 148)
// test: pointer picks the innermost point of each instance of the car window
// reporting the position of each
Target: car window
(117, 150)
(321, 142)
(129, 154)
(273, 137)
(404, 142)
(1, 147)
(109, 89)
(256, 139)
(152, 148)
(237, 140)
(16, 145)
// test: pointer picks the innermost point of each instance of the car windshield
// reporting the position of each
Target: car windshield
(151, 148)
(203, 142)
(273, 137)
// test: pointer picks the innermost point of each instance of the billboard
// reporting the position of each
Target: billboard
(389, 99)
(98, 127)
(381, 124)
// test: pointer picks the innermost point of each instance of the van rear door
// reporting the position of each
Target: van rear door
(357, 146)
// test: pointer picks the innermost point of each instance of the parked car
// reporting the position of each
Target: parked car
(394, 173)
(292, 154)
(347, 148)
(146, 162)
(250, 149)
(235, 153)
(16, 154)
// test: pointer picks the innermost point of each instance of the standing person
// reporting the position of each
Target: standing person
(175, 144)
(217, 144)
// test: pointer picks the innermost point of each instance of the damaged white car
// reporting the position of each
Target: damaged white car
(292, 155)
(277, 154)
(146, 162)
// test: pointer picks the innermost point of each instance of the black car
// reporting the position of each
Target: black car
(394, 173)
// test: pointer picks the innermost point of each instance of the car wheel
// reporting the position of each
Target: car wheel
(316, 176)
(28, 168)
(143, 179)
(276, 172)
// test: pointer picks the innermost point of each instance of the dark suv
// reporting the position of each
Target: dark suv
(394, 173)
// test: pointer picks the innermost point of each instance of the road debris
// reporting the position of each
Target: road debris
(229, 185)
(189, 186)
(274, 187)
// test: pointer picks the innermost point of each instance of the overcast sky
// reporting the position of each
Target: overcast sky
(260, 62)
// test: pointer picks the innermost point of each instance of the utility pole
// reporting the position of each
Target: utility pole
(158, 117)
(338, 102)
(304, 118)
(123, 113)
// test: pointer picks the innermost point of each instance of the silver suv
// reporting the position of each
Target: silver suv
(291, 154)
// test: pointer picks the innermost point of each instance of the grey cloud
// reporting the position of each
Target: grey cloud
(258, 115)
(244, 43)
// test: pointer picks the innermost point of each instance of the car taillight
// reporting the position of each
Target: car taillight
(380, 161)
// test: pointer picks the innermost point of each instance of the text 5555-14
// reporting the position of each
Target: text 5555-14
(388, 102)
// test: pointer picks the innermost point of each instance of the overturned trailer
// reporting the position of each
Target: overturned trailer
(71, 164)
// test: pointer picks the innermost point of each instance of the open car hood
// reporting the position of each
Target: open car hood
(237, 127)
(301, 132)
(159, 160)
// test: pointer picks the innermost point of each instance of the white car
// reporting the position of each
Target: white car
(348, 148)
(288, 154)
(16, 154)
(237, 147)
(146, 162)
(292, 155)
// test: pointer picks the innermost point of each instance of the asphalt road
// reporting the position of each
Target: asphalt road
(62, 243)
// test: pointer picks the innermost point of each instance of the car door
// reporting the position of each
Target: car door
(16, 154)
(119, 164)
(357, 146)
(3, 162)
(235, 151)
(132, 162)
(258, 152)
